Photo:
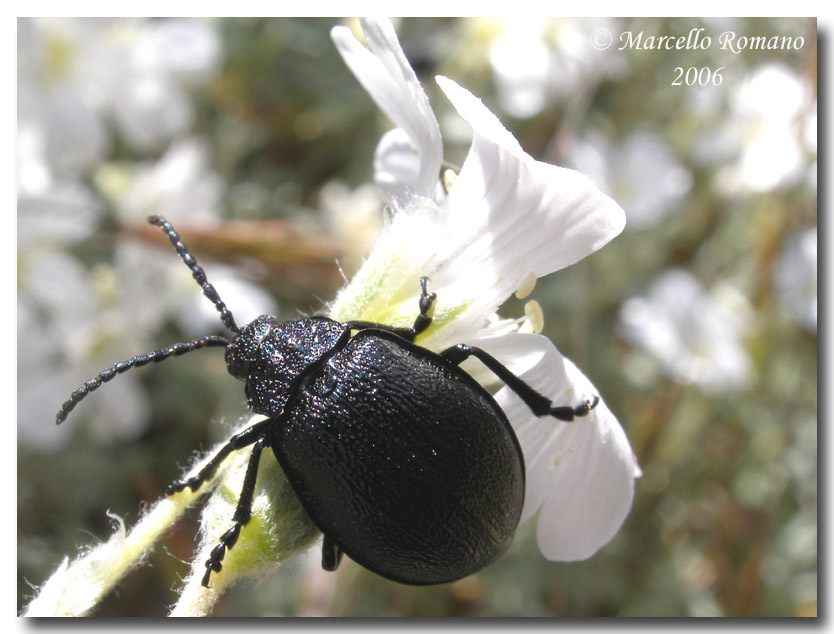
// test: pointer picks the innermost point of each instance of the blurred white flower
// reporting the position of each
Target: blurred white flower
(59, 84)
(796, 277)
(38, 373)
(77, 77)
(764, 129)
(696, 336)
(59, 134)
(809, 129)
(79, 81)
(72, 322)
(74, 77)
(772, 92)
(809, 135)
(167, 57)
(521, 61)
(63, 213)
(641, 173)
(180, 186)
(355, 218)
(537, 61)
(184, 50)
(506, 216)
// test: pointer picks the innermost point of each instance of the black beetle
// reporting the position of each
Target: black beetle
(400, 458)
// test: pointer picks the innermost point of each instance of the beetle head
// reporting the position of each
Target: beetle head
(272, 356)
(246, 349)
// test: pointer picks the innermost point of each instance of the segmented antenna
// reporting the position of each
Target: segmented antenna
(175, 350)
(196, 271)
(143, 359)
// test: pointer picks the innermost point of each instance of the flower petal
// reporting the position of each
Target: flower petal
(521, 214)
(386, 74)
(580, 475)
(396, 164)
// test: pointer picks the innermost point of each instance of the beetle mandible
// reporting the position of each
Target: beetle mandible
(401, 459)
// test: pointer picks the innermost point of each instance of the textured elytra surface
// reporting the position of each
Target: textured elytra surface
(404, 461)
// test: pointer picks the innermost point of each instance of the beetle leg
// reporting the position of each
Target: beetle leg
(538, 403)
(420, 323)
(331, 555)
(243, 513)
(426, 302)
(238, 441)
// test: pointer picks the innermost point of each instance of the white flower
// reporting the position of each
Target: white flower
(796, 277)
(354, 217)
(70, 312)
(74, 322)
(538, 61)
(506, 216)
(696, 336)
(641, 172)
(408, 158)
(151, 104)
(521, 61)
(77, 76)
(59, 84)
(180, 185)
(59, 213)
(72, 75)
(763, 127)
(184, 50)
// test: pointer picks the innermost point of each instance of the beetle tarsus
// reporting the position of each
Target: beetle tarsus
(427, 300)
(178, 485)
(238, 441)
(568, 413)
(243, 511)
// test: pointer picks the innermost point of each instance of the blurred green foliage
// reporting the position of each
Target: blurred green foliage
(724, 519)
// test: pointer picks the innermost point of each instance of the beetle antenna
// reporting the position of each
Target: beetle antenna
(143, 359)
(198, 273)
